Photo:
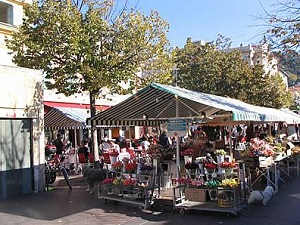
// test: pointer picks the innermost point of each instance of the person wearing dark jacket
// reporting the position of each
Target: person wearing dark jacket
(58, 144)
(164, 140)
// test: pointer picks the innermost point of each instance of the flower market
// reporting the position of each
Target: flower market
(219, 151)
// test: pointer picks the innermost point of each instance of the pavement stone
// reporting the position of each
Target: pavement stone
(64, 206)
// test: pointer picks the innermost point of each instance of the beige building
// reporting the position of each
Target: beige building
(261, 55)
(21, 115)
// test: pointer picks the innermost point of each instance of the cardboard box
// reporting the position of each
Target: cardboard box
(195, 194)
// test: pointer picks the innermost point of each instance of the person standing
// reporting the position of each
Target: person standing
(58, 144)
(84, 149)
(164, 140)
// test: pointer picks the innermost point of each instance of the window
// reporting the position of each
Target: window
(6, 13)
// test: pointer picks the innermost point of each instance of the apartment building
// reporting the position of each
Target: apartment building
(261, 55)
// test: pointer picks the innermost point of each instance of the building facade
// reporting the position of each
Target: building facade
(261, 55)
(21, 115)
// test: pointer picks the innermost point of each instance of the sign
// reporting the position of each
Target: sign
(177, 127)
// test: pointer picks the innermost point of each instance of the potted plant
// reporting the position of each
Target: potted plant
(131, 167)
(129, 183)
(117, 166)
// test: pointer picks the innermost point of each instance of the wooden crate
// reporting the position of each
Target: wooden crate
(195, 194)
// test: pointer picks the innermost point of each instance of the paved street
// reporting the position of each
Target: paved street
(64, 206)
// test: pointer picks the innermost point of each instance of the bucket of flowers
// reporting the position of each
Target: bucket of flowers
(220, 154)
(117, 166)
(210, 167)
(184, 181)
(108, 185)
(155, 151)
(131, 167)
(187, 152)
(129, 183)
(228, 167)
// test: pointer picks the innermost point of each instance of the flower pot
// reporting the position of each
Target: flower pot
(201, 168)
(220, 159)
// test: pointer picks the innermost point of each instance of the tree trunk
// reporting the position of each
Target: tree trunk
(94, 141)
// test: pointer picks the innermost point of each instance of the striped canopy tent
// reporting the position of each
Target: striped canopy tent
(66, 118)
(156, 103)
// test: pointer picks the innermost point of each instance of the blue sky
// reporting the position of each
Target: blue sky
(205, 19)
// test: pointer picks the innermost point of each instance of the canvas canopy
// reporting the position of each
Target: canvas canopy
(156, 103)
(66, 118)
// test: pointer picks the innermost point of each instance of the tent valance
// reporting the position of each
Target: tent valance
(156, 103)
(66, 118)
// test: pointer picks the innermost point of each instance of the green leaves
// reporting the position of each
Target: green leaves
(84, 46)
(204, 68)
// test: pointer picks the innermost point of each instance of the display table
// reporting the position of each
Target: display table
(141, 196)
(233, 205)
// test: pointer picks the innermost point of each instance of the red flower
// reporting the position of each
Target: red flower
(188, 152)
(131, 167)
(129, 182)
(211, 165)
(117, 165)
(108, 181)
(226, 165)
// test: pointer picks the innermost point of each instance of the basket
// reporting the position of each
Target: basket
(225, 203)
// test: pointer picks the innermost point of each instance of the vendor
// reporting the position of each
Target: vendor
(199, 133)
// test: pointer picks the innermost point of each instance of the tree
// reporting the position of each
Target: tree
(203, 68)
(89, 45)
(283, 25)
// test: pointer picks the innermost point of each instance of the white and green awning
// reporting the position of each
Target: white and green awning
(156, 103)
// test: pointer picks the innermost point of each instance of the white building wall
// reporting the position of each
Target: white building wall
(22, 92)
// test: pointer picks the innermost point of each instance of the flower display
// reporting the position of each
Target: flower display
(108, 181)
(155, 151)
(198, 182)
(258, 147)
(118, 181)
(212, 183)
(131, 167)
(129, 182)
(220, 152)
(187, 152)
(231, 182)
(184, 181)
(117, 165)
(211, 166)
(227, 165)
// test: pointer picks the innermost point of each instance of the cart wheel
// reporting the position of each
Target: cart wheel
(181, 211)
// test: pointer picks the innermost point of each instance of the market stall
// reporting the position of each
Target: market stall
(156, 104)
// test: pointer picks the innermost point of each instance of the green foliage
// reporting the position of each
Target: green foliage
(86, 46)
(205, 69)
